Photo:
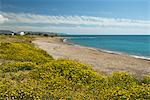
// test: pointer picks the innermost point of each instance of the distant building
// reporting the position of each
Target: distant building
(22, 33)
(12, 34)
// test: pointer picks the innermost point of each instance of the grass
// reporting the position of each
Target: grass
(16, 38)
(30, 73)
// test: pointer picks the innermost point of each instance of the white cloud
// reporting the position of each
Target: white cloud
(3, 19)
(78, 24)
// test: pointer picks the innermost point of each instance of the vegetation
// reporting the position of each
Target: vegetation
(31, 73)
(23, 52)
(45, 34)
(15, 38)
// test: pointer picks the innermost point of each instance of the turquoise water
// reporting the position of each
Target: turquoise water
(138, 45)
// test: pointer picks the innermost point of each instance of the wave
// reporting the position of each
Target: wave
(141, 57)
(80, 37)
(64, 40)
(121, 53)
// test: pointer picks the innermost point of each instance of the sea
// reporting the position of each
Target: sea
(134, 45)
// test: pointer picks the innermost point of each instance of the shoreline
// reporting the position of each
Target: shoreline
(107, 51)
(102, 61)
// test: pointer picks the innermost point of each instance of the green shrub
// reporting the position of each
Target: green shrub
(64, 79)
(122, 79)
(146, 79)
(70, 70)
(16, 66)
(23, 52)
(16, 38)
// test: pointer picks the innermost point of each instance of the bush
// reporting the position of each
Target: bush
(16, 66)
(67, 79)
(146, 79)
(16, 38)
(122, 79)
(46, 35)
(23, 52)
(70, 70)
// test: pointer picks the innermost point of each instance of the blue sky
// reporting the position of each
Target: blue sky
(77, 16)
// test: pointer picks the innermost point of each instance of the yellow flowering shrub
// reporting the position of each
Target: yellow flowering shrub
(16, 66)
(146, 79)
(63, 79)
(23, 52)
(16, 38)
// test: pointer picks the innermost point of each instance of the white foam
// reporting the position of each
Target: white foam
(64, 40)
(141, 57)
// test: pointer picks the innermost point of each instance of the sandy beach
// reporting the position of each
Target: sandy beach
(101, 61)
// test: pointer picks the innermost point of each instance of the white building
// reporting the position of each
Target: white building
(22, 33)
(12, 34)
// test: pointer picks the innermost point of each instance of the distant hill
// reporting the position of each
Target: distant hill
(33, 33)
(6, 32)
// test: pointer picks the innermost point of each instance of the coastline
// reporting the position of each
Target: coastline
(108, 51)
(102, 61)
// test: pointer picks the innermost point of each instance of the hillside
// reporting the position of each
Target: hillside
(27, 72)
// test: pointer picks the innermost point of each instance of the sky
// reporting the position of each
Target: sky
(76, 16)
